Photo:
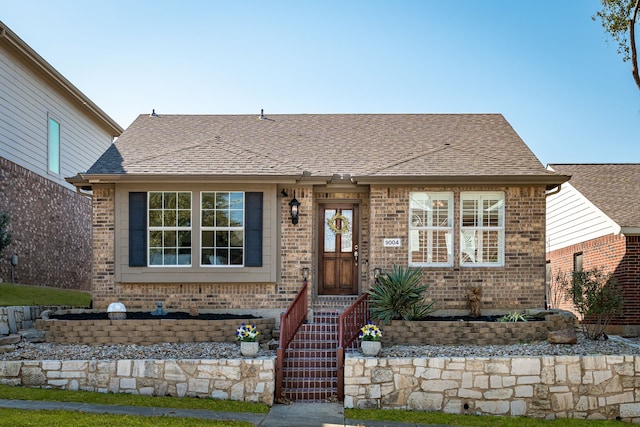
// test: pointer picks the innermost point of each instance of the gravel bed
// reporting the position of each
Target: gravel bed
(46, 351)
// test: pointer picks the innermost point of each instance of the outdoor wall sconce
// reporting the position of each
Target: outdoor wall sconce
(305, 273)
(14, 263)
(294, 209)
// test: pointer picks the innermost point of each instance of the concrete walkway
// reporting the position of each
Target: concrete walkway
(296, 414)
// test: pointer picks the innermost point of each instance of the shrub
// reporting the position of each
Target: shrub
(5, 234)
(597, 298)
(399, 294)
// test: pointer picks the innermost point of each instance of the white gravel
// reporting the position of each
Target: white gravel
(46, 351)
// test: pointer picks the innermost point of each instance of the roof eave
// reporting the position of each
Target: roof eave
(82, 180)
(550, 181)
(32, 57)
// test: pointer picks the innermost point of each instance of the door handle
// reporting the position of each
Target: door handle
(355, 253)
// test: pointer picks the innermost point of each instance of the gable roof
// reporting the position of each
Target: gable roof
(612, 187)
(438, 148)
(25, 53)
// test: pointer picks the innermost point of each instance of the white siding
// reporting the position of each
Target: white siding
(572, 218)
(26, 101)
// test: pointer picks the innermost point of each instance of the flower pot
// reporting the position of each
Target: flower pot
(249, 349)
(370, 348)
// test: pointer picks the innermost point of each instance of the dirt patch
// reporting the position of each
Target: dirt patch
(140, 315)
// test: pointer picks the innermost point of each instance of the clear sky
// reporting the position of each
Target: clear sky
(543, 64)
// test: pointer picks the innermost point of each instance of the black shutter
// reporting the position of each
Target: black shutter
(137, 229)
(253, 229)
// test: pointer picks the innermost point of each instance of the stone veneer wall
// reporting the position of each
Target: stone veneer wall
(588, 387)
(17, 318)
(519, 284)
(51, 227)
(147, 332)
(472, 333)
(249, 380)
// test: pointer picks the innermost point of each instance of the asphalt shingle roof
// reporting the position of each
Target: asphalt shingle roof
(613, 187)
(361, 145)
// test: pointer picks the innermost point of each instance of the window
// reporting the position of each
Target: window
(577, 262)
(431, 229)
(54, 146)
(222, 228)
(482, 229)
(169, 228)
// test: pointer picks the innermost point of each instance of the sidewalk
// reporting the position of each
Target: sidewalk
(296, 414)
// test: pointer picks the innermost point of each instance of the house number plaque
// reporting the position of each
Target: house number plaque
(392, 243)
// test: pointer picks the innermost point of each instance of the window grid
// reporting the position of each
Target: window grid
(169, 228)
(430, 229)
(482, 229)
(222, 228)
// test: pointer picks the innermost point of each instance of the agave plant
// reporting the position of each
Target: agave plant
(514, 316)
(399, 294)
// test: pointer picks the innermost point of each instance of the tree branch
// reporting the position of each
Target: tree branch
(632, 43)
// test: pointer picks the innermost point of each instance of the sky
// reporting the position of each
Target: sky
(543, 64)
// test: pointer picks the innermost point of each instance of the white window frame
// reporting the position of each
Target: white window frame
(53, 151)
(169, 228)
(215, 228)
(426, 223)
(472, 246)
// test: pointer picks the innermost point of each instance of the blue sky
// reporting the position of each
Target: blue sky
(543, 64)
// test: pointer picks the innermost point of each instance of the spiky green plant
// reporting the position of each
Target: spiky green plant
(514, 316)
(399, 294)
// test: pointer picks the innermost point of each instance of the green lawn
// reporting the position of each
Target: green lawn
(15, 294)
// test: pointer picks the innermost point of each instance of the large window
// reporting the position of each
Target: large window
(170, 228)
(431, 229)
(482, 229)
(54, 146)
(222, 228)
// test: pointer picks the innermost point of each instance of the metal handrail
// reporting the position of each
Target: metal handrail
(290, 322)
(349, 323)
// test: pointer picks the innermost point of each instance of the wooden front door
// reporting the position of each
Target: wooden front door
(338, 249)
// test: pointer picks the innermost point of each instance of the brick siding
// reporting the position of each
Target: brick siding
(617, 254)
(51, 227)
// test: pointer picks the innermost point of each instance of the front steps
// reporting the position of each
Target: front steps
(310, 370)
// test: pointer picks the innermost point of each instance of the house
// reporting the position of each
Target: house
(48, 130)
(229, 212)
(594, 222)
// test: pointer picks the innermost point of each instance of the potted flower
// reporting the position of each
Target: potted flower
(370, 336)
(248, 337)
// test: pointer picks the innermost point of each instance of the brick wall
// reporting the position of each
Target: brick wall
(520, 284)
(616, 254)
(51, 227)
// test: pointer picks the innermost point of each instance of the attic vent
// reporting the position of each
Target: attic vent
(262, 116)
(153, 113)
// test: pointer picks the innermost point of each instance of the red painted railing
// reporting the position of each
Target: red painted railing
(290, 322)
(349, 323)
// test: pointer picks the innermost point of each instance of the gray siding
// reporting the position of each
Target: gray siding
(26, 101)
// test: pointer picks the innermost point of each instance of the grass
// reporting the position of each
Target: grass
(468, 420)
(15, 294)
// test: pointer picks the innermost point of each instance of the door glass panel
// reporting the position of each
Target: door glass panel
(329, 235)
(347, 236)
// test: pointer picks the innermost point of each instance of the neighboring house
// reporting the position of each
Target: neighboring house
(194, 210)
(594, 222)
(48, 131)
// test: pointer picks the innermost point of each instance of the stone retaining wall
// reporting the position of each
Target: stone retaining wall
(588, 387)
(146, 332)
(17, 318)
(472, 333)
(249, 380)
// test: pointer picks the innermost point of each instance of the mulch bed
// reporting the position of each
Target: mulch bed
(140, 315)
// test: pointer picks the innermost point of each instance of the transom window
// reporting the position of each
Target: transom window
(431, 229)
(222, 228)
(482, 229)
(170, 228)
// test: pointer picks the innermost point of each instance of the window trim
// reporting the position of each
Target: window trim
(57, 152)
(243, 228)
(479, 195)
(162, 228)
(450, 227)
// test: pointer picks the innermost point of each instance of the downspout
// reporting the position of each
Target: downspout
(555, 191)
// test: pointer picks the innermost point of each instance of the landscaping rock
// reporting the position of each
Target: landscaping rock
(10, 339)
(33, 335)
(565, 336)
(7, 348)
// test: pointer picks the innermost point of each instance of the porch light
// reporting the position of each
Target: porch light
(305, 273)
(293, 209)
